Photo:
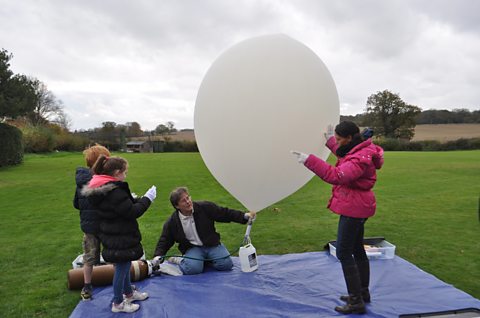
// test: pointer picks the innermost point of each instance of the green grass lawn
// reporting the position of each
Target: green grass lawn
(428, 206)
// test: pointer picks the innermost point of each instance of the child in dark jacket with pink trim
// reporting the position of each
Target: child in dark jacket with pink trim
(119, 231)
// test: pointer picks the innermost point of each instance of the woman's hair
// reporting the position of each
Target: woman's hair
(176, 194)
(347, 128)
(92, 153)
(108, 165)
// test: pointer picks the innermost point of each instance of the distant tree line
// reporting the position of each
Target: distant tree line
(114, 136)
(432, 116)
(456, 116)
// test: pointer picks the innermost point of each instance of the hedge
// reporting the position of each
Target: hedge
(180, 146)
(11, 147)
(38, 139)
(389, 144)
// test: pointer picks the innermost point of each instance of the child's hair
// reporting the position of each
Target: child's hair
(349, 128)
(92, 153)
(108, 165)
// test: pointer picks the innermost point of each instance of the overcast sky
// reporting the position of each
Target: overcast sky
(144, 60)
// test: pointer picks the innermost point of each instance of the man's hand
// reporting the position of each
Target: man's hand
(251, 215)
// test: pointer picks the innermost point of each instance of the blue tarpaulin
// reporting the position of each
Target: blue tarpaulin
(291, 285)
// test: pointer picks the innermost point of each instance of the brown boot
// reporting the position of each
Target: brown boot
(365, 296)
(355, 305)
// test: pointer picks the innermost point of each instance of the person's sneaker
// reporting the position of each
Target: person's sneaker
(136, 295)
(125, 306)
(175, 260)
(86, 293)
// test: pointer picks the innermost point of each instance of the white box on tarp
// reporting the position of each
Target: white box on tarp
(380, 250)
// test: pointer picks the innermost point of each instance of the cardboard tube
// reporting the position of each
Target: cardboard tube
(102, 275)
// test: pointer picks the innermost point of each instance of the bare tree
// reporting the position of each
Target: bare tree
(171, 126)
(47, 108)
(63, 120)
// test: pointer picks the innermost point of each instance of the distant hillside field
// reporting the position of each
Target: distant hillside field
(441, 132)
(446, 132)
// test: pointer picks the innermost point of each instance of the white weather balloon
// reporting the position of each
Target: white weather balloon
(260, 99)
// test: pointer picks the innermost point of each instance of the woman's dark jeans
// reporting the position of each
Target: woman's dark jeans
(350, 240)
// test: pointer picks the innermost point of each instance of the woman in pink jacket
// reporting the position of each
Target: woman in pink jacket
(353, 178)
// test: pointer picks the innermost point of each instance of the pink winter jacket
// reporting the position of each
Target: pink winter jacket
(353, 178)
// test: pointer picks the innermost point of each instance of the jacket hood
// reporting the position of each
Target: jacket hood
(378, 157)
(98, 191)
(101, 179)
(369, 148)
(361, 145)
(82, 176)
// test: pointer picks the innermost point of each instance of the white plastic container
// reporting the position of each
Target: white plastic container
(381, 250)
(248, 258)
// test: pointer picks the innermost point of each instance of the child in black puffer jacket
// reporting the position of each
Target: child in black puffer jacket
(119, 231)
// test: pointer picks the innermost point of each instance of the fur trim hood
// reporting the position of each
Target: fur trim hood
(99, 191)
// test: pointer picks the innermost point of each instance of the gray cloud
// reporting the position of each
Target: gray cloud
(144, 60)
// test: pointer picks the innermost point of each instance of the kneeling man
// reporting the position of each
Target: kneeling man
(192, 226)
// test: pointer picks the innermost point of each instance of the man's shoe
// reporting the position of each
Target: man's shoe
(136, 295)
(125, 306)
(86, 293)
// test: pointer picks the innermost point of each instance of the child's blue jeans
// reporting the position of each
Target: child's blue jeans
(121, 281)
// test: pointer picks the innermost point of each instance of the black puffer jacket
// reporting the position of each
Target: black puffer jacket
(205, 215)
(118, 211)
(89, 219)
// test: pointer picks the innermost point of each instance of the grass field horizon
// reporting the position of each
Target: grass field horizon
(428, 205)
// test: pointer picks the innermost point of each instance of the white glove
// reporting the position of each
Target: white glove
(134, 195)
(301, 157)
(157, 260)
(151, 193)
(329, 133)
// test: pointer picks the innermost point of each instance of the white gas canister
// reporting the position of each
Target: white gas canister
(248, 258)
